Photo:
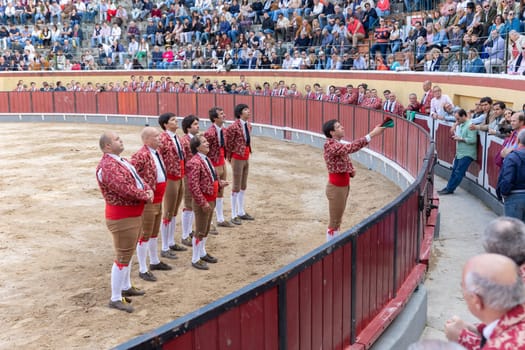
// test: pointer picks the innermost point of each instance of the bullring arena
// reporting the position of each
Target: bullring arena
(61, 246)
(70, 263)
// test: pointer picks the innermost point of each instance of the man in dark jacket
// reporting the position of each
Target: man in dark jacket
(511, 181)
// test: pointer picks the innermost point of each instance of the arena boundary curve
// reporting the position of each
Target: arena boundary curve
(343, 294)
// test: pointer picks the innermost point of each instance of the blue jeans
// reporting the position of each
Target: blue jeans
(459, 169)
(515, 206)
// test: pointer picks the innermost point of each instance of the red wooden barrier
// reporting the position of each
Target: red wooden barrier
(85, 102)
(298, 113)
(277, 111)
(107, 103)
(44, 103)
(18, 102)
(127, 103)
(187, 103)
(154, 104)
(315, 117)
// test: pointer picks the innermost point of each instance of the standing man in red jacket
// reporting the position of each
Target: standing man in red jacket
(150, 166)
(340, 170)
(238, 149)
(125, 194)
(217, 142)
(172, 153)
(203, 184)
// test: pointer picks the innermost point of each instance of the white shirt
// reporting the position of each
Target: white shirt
(161, 177)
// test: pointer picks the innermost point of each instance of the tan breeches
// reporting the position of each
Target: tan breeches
(221, 174)
(240, 174)
(202, 219)
(126, 234)
(151, 221)
(188, 199)
(172, 198)
(337, 197)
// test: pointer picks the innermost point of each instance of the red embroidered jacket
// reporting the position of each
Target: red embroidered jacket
(350, 98)
(200, 181)
(508, 334)
(117, 184)
(170, 156)
(143, 161)
(397, 110)
(215, 149)
(336, 155)
(235, 141)
(373, 102)
(425, 105)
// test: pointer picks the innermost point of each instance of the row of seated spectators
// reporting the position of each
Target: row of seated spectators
(222, 37)
(431, 100)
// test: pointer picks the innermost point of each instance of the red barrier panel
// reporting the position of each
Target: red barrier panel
(406, 249)
(261, 112)
(5, 106)
(315, 117)
(107, 102)
(445, 146)
(297, 116)
(127, 103)
(18, 102)
(475, 166)
(247, 326)
(412, 162)
(376, 118)
(226, 102)
(331, 110)
(187, 104)
(43, 101)
(278, 111)
(493, 148)
(86, 102)
(358, 123)
(149, 104)
(64, 101)
(204, 101)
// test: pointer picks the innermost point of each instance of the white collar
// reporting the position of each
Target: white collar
(487, 331)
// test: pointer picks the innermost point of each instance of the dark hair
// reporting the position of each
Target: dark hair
(238, 110)
(164, 118)
(195, 143)
(486, 99)
(500, 104)
(461, 112)
(187, 121)
(328, 127)
(214, 113)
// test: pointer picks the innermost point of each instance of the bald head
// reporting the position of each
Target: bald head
(506, 236)
(495, 279)
(110, 142)
(150, 137)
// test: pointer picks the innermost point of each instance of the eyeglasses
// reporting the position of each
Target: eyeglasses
(511, 13)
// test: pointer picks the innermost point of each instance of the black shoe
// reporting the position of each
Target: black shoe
(160, 266)
(186, 241)
(148, 276)
(246, 216)
(237, 221)
(178, 248)
(168, 254)
(444, 192)
(209, 259)
(121, 305)
(133, 291)
(201, 265)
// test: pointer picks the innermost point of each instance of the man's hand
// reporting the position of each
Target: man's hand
(376, 131)
(150, 195)
(454, 326)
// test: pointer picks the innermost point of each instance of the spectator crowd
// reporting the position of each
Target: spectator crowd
(450, 36)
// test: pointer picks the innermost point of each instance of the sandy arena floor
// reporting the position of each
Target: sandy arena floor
(56, 252)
